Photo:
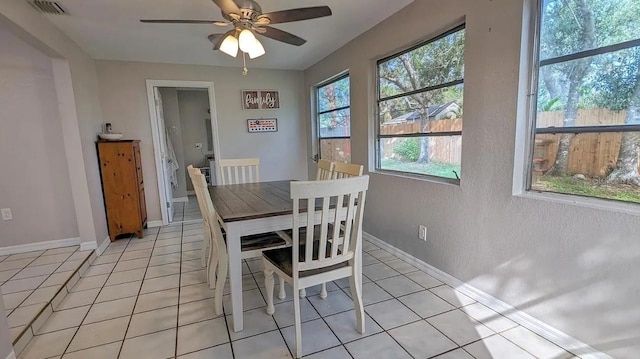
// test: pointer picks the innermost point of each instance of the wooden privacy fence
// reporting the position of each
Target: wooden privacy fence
(590, 154)
(444, 149)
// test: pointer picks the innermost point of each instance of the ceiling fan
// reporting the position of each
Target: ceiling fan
(247, 18)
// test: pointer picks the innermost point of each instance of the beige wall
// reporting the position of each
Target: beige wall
(564, 264)
(193, 118)
(283, 154)
(34, 181)
(79, 108)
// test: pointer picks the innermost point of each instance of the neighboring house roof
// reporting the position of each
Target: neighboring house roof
(435, 112)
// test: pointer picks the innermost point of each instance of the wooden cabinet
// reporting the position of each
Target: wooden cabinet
(123, 187)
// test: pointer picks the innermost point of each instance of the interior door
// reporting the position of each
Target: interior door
(167, 189)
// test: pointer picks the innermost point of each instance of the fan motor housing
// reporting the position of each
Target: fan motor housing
(249, 9)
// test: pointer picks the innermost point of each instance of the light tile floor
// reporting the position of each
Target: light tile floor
(30, 280)
(148, 299)
(186, 211)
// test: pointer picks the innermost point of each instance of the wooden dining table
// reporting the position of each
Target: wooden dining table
(246, 209)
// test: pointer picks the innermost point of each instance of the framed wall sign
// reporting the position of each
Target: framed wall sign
(260, 99)
(262, 125)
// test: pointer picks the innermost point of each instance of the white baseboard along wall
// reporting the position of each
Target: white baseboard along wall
(39, 246)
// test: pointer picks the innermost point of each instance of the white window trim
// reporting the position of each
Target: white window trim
(374, 158)
(316, 118)
(526, 122)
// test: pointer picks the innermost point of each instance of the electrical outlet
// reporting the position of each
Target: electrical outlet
(6, 214)
(422, 233)
(198, 146)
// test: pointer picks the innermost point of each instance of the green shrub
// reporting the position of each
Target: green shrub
(409, 149)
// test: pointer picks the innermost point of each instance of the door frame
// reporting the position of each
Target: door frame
(155, 130)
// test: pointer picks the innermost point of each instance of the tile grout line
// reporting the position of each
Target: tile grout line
(175, 349)
(90, 305)
(124, 338)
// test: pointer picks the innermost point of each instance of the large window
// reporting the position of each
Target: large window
(334, 120)
(419, 103)
(587, 108)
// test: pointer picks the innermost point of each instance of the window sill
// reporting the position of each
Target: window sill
(415, 176)
(587, 202)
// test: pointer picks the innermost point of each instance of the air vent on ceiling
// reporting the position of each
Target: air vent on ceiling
(49, 7)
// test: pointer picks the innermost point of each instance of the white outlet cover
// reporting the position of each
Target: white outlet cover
(422, 234)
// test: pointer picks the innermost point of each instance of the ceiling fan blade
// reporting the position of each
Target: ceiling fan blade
(217, 39)
(227, 6)
(277, 34)
(177, 21)
(279, 17)
(221, 23)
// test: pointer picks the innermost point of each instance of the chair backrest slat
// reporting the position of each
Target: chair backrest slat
(342, 212)
(346, 170)
(209, 215)
(325, 170)
(241, 170)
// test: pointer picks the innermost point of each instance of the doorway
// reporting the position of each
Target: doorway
(185, 132)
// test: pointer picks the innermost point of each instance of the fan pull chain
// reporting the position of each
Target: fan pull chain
(245, 71)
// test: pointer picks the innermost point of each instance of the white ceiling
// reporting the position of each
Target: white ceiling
(111, 30)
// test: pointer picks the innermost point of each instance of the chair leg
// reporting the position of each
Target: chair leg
(223, 267)
(203, 251)
(323, 292)
(282, 294)
(298, 325)
(356, 294)
(303, 293)
(212, 266)
(269, 284)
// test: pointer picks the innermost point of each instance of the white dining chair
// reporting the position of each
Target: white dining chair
(218, 259)
(325, 170)
(239, 170)
(314, 259)
(346, 170)
(193, 173)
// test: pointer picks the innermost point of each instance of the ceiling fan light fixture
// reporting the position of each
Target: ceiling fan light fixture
(257, 51)
(247, 40)
(230, 46)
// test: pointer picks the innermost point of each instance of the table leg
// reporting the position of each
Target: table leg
(235, 274)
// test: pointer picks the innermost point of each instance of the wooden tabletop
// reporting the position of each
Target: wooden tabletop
(252, 200)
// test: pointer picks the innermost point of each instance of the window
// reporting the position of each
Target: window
(419, 103)
(586, 129)
(334, 120)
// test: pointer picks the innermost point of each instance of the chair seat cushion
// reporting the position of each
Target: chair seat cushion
(258, 241)
(316, 232)
(282, 258)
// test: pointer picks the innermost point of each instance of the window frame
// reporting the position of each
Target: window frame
(317, 112)
(532, 117)
(377, 100)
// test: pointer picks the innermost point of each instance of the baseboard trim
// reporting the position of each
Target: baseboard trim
(30, 247)
(181, 199)
(546, 331)
(154, 224)
(103, 246)
(12, 355)
(87, 246)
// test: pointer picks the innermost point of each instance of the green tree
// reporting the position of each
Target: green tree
(568, 27)
(437, 62)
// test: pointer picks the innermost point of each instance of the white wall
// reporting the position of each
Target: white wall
(171, 112)
(193, 120)
(283, 154)
(79, 108)
(567, 265)
(34, 180)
